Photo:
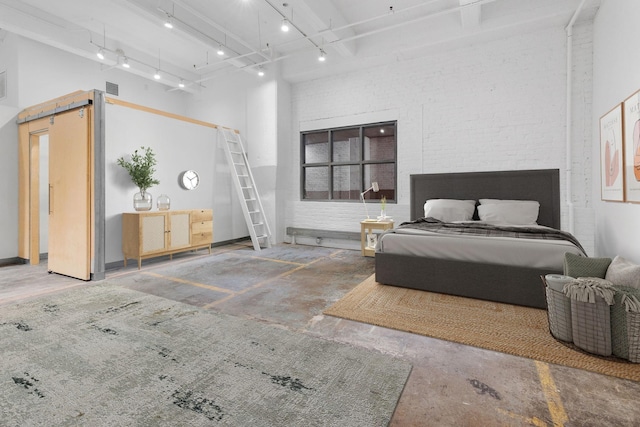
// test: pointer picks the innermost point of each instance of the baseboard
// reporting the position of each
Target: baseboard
(12, 261)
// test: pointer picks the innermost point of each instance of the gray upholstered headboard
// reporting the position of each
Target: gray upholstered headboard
(542, 185)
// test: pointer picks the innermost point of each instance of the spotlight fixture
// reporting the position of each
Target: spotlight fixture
(168, 24)
(181, 84)
(125, 63)
(100, 54)
(285, 25)
(260, 71)
(323, 56)
(157, 75)
(220, 50)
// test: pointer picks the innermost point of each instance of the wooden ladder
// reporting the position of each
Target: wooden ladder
(246, 189)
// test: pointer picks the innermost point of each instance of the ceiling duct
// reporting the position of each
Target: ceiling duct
(112, 88)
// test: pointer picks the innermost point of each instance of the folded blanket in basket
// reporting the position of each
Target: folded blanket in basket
(585, 289)
(631, 303)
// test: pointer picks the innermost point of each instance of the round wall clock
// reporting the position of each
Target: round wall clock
(189, 180)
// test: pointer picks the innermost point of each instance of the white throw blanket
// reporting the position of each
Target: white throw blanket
(585, 289)
(631, 303)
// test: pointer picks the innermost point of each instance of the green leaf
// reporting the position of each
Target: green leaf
(141, 168)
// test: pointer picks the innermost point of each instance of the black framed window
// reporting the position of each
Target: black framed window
(340, 163)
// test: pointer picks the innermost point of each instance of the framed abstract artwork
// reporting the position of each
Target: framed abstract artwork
(611, 155)
(631, 109)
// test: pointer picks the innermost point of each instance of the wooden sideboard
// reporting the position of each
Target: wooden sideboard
(151, 234)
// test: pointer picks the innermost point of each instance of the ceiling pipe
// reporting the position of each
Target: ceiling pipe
(569, 123)
(357, 36)
(219, 28)
(290, 21)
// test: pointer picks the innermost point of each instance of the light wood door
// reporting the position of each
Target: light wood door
(69, 194)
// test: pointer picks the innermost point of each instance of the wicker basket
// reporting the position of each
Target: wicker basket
(625, 327)
(633, 336)
(591, 325)
(559, 312)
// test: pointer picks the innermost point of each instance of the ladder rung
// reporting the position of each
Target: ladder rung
(246, 188)
(250, 199)
(262, 236)
(258, 223)
(243, 176)
(254, 212)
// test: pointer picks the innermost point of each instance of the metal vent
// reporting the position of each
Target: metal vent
(112, 88)
(3, 85)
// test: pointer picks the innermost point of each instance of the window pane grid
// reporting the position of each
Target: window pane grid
(339, 164)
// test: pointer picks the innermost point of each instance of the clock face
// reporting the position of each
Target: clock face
(189, 180)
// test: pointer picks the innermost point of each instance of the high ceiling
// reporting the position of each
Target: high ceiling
(352, 33)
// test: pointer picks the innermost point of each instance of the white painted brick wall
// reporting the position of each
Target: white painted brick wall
(493, 106)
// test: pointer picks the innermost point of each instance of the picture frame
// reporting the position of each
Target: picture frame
(631, 115)
(372, 240)
(611, 155)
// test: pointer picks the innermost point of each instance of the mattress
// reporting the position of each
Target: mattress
(520, 252)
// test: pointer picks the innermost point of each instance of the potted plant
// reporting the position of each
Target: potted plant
(141, 170)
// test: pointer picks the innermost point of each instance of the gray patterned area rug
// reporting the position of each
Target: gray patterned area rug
(102, 355)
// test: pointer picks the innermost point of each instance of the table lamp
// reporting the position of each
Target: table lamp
(375, 188)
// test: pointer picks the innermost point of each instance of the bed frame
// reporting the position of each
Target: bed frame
(513, 285)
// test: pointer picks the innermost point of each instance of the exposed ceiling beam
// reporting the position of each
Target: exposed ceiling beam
(323, 18)
(22, 20)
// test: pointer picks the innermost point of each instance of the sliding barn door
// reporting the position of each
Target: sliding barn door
(69, 193)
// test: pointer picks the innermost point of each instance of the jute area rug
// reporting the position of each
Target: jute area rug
(107, 356)
(506, 328)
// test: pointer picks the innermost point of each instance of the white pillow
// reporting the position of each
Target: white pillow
(512, 212)
(449, 210)
(623, 272)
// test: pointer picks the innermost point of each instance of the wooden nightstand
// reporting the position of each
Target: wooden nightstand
(367, 227)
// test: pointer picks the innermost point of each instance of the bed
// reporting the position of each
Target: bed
(516, 282)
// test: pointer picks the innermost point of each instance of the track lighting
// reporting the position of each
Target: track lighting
(157, 75)
(181, 84)
(125, 63)
(168, 24)
(220, 50)
(100, 54)
(323, 56)
(285, 25)
(260, 71)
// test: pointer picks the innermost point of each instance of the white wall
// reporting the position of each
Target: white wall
(615, 77)
(38, 73)
(179, 146)
(499, 105)
(9, 149)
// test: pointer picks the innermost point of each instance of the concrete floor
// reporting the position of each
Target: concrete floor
(290, 286)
